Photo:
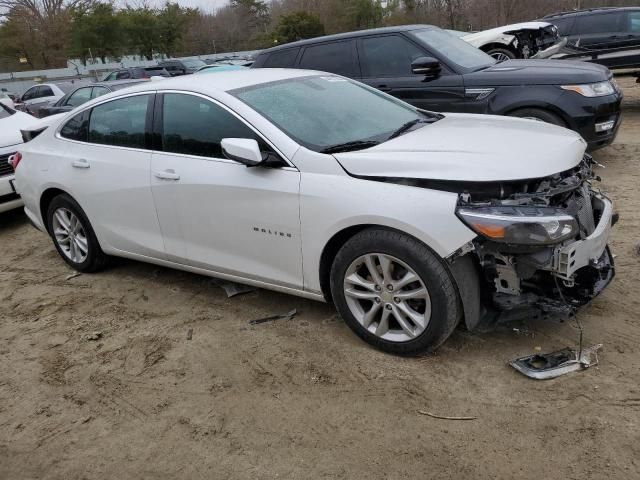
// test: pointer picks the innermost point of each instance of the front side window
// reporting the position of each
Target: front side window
(29, 94)
(80, 96)
(388, 56)
(324, 111)
(120, 122)
(195, 126)
(633, 22)
(99, 91)
(564, 25)
(334, 57)
(455, 50)
(602, 23)
(283, 59)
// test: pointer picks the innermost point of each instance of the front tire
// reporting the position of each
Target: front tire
(539, 114)
(501, 54)
(73, 235)
(394, 293)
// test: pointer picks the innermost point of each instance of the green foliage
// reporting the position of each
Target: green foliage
(97, 32)
(298, 26)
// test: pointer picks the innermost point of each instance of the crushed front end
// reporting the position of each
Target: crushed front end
(542, 245)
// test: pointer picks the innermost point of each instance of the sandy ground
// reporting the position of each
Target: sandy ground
(98, 378)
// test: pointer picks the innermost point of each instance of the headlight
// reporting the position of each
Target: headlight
(520, 225)
(592, 89)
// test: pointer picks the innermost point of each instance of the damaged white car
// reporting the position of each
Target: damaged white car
(318, 186)
(519, 40)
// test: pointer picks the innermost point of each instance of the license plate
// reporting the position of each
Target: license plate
(13, 187)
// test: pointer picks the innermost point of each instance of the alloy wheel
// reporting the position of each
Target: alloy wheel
(387, 297)
(500, 57)
(70, 235)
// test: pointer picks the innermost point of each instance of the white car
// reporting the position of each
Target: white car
(43, 94)
(6, 100)
(316, 185)
(518, 40)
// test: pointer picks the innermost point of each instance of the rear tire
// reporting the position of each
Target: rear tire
(73, 236)
(539, 114)
(403, 319)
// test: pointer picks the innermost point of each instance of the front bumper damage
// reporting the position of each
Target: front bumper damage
(516, 281)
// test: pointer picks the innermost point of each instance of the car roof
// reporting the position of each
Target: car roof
(109, 83)
(225, 81)
(347, 35)
(589, 10)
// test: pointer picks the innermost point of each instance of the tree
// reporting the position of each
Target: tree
(298, 26)
(96, 32)
(142, 30)
(172, 20)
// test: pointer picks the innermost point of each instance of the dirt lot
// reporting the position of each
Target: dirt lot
(99, 380)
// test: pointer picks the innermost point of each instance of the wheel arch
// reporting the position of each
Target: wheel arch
(504, 46)
(542, 106)
(45, 200)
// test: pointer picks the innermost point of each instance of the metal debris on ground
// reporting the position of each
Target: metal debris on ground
(287, 316)
(232, 289)
(444, 417)
(73, 275)
(543, 366)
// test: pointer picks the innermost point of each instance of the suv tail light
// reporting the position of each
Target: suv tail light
(14, 160)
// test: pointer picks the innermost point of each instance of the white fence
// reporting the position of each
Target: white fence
(76, 72)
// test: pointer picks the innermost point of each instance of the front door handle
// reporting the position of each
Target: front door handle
(384, 88)
(168, 174)
(80, 163)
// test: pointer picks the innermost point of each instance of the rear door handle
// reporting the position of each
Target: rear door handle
(168, 174)
(80, 163)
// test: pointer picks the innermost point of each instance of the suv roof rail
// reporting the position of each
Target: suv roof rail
(569, 12)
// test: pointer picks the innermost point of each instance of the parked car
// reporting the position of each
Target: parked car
(84, 94)
(181, 67)
(136, 73)
(607, 36)
(41, 95)
(520, 40)
(409, 221)
(434, 70)
(11, 124)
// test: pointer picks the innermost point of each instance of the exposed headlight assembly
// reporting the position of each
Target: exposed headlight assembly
(599, 89)
(520, 225)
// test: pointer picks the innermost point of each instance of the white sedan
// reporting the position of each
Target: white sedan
(316, 185)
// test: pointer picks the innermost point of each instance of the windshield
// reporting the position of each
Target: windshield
(193, 63)
(467, 57)
(325, 111)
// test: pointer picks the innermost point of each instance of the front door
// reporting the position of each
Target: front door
(216, 213)
(385, 63)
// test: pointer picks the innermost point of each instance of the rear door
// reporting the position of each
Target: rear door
(337, 57)
(216, 213)
(385, 63)
(600, 30)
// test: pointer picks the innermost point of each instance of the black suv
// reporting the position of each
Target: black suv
(608, 36)
(434, 70)
(136, 72)
(181, 67)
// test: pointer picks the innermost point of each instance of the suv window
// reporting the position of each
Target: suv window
(598, 23)
(282, 59)
(120, 122)
(387, 56)
(195, 126)
(77, 127)
(29, 94)
(633, 22)
(80, 96)
(334, 57)
(44, 91)
(124, 75)
(564, 25)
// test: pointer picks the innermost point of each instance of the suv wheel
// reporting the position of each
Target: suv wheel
(73, 235)
(394, 293)
(539, 114)
(501, 54)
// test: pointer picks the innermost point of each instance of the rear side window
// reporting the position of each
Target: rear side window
(99, 91)
(599, 23)
(77, 127)
(282, 59)
(195, 126)
(388, 56)
(120, 122)
(45, 91)
(335, 57)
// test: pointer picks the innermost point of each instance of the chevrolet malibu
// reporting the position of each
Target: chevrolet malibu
(312, 184)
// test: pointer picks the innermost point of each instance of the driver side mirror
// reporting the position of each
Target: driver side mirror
(242, 150)
(427, 66)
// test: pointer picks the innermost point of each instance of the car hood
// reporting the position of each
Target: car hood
(10, 128)
(467, 147)
(504, 34)
(538, 72)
